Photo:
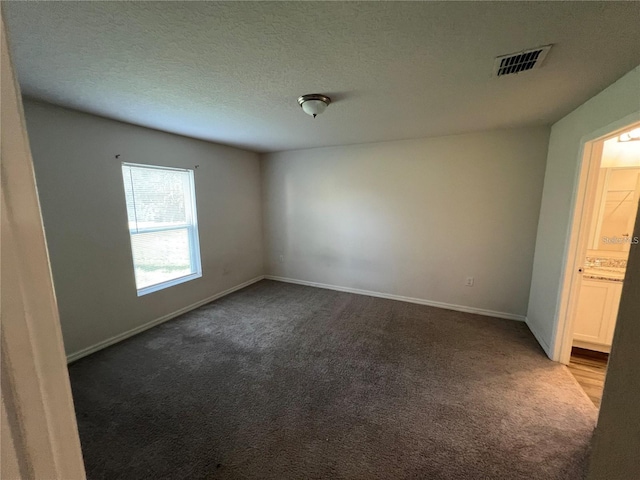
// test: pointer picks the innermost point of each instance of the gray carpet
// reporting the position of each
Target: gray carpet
(281, 381)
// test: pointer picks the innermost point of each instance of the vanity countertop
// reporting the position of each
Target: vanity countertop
(611, 274)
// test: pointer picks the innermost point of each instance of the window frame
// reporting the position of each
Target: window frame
(191, 226)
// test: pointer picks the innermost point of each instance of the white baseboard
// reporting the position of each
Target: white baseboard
(420, 301)
(536, 333)
(141, 328)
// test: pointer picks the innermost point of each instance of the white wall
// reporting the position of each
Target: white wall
(83, 206)
(411, 218)
(563, 161)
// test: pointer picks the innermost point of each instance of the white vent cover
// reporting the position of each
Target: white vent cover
(520, 61)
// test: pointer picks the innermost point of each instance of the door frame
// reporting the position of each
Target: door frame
(577, 238)
(39, 434)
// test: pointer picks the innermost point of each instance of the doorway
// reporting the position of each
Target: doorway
(602, 237)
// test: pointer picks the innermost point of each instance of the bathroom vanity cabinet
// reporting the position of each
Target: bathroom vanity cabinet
(596, 314)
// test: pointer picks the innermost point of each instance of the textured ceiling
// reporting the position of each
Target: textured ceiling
(231, 72)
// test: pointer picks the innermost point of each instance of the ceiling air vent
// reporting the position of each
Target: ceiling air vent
(520, 62)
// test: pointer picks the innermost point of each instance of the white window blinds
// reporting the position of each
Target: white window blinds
(163, 225)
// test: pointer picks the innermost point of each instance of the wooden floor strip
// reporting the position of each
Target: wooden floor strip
(589, 369)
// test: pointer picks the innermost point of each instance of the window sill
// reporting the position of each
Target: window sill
(167, 284)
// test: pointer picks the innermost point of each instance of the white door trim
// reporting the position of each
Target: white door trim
(39, 431)
(577, 236)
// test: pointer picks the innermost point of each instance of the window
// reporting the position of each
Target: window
(163, 225)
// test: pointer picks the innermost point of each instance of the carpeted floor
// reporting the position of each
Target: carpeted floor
(280, 381)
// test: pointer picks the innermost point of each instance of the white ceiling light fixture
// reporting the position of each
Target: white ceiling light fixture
(630, 136)
(314, 103)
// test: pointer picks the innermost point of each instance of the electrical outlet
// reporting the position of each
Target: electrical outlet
(469, 282)
(281, 258)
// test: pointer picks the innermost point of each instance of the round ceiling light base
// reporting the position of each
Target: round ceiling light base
(314, 103)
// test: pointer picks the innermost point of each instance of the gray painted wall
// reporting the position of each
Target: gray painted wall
(411, 218)
(83, 207)
(617, 439)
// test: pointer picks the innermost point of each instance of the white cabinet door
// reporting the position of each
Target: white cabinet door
(594, 305)
(616, 293)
